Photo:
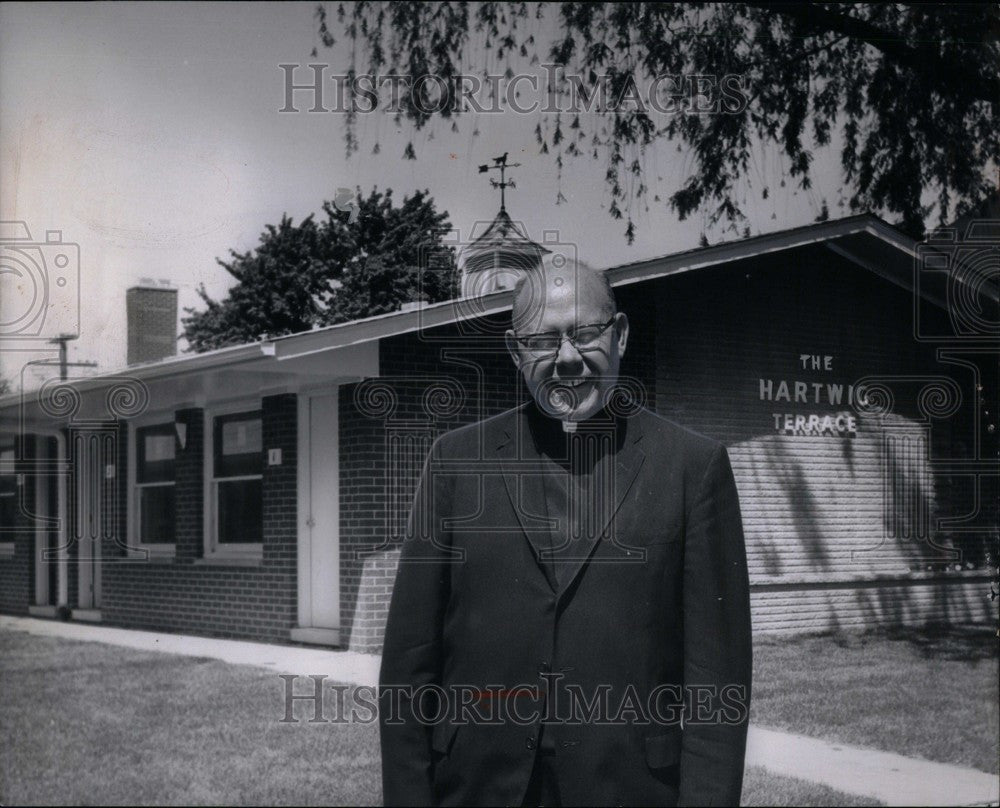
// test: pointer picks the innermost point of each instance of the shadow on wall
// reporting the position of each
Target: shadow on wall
(903, 609)
(829, 606)
(805, 511)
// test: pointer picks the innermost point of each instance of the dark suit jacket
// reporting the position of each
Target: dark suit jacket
(660, 599)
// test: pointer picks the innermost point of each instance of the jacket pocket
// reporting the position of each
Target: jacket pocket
(442, 736)
(663, 750)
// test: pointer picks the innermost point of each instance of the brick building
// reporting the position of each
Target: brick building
(259, 491)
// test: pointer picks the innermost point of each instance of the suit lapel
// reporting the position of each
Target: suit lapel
(617, 471)
(522, 468)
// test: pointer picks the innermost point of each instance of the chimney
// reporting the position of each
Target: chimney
(152, 321)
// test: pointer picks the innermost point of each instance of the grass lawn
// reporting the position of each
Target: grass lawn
(929, 694)
(761, 787)
(85, 723)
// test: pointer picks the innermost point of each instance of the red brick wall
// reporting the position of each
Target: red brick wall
(822, 508)
(251, 602)
(152, 323)
(189, 488)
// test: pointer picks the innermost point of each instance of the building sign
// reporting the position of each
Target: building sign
(803, 398)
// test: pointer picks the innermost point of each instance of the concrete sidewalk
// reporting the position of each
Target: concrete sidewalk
(884, 776)
(888, 777)
(348, 667)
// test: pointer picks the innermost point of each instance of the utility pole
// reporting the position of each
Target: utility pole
(63, 362)
(62, 339)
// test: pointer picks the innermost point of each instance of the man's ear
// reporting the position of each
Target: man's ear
(512, 349)
(621, 329)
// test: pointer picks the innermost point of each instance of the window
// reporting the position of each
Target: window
(236, 517)
(155, 512)
(8, 499)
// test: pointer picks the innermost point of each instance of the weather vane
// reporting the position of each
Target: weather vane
(500, 164)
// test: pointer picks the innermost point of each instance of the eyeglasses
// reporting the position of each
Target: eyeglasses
(583, 338)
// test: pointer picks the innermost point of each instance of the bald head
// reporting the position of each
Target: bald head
(588, 287)
(567, 339)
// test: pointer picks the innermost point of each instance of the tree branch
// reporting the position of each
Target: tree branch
(922, 60)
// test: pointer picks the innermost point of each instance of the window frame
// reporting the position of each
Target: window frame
(136, 545)
(214, 549)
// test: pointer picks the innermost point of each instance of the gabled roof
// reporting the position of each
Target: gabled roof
(858, 238)
(865, 240)
(865, 229)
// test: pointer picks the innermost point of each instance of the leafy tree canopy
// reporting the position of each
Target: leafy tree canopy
(303, 276)
(910, 90)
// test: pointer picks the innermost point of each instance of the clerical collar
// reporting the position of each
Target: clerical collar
(552, 432)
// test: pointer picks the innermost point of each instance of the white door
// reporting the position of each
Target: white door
(319, 521)
(93, 462)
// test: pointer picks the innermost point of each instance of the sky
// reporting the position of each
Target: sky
(149, 135)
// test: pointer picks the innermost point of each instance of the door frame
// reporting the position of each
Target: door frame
(306, 631)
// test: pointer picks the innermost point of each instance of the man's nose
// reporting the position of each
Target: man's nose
(568, 358)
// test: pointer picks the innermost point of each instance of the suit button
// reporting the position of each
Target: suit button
(543, 667)
(530, 743)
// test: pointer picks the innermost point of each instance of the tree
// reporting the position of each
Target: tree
(313, 274)
(5, 386)
(910, 89)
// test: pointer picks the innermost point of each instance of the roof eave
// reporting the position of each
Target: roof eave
(447, 312)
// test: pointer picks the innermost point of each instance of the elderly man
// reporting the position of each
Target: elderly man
(570, 621)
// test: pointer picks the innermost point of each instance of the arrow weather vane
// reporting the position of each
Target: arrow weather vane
(500, 164)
